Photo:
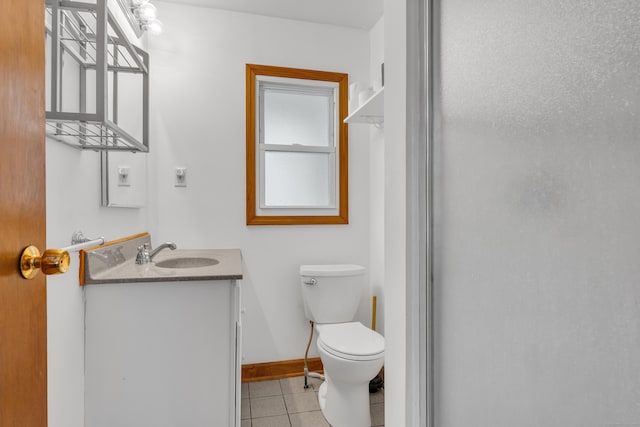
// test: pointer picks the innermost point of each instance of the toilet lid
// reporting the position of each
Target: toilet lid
(351, 340)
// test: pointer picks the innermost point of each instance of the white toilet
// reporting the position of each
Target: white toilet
(351, 353)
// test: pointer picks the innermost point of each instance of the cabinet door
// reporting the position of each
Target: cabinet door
(160, 354)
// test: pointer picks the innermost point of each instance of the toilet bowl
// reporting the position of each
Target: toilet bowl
(351, 353)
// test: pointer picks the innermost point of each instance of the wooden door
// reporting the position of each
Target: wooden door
(23, 317)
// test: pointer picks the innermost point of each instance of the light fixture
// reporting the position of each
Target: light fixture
(154, 27)
(146, 14)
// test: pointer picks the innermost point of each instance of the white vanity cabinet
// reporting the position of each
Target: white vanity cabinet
(163, 354)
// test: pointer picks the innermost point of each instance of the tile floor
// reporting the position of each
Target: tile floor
(286, 403)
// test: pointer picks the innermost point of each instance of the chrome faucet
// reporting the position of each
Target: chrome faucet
(145, 254)
(165, 245)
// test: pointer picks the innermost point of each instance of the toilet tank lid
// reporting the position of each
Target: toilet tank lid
(331, 270)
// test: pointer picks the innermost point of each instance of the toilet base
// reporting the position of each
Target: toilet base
(346, 405)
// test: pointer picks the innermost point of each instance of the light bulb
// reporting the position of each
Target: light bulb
(146, 12)
(154, 27)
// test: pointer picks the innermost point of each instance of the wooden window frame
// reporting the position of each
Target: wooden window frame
(252, 185)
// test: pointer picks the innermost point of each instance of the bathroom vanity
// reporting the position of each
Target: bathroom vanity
(163, 343)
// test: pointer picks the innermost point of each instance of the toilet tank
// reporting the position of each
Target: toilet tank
(331, 293)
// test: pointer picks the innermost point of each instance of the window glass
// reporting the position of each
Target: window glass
(297, 179)
(294, 117)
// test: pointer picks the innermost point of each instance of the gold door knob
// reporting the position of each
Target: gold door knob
(52, 261)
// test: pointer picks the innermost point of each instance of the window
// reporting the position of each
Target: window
(297, 152)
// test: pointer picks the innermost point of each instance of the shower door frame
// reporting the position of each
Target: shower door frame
(420, 131)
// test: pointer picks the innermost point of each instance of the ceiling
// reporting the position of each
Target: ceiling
(362, 14)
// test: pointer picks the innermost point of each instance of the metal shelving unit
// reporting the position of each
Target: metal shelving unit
(89, 35)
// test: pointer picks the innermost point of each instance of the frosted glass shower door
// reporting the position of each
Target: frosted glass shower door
(537, 213)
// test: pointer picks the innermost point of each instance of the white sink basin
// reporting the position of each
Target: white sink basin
(186, 262)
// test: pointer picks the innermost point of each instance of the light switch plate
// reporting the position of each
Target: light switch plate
(180, 177)
(124, 176)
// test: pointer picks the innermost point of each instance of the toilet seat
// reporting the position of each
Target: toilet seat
(351, 341)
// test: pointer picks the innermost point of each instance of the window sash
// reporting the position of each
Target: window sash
(332, 175)
(318, 88)
(325, 89)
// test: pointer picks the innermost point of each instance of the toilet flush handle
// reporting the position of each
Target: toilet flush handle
(311, 281)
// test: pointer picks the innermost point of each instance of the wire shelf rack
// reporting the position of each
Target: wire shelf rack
(101, 136)
(89, 36)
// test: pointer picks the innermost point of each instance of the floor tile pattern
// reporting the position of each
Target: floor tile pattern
(286, 403)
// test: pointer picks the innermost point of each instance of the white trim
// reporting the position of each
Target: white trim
(290, 81)
(314, 87)
(296, 148)
(237, 362)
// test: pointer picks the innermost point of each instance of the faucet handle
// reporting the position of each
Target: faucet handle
(143, 254)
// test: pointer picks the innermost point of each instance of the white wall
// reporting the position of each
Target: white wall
(395, 212)
(73, 203)
(376, 180)
(198, 121)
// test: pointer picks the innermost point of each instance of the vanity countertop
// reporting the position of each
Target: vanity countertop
(114, 263)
